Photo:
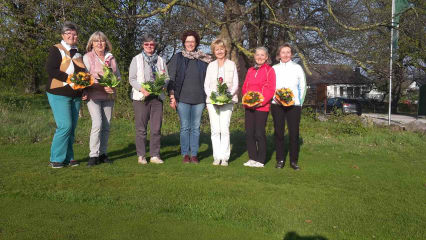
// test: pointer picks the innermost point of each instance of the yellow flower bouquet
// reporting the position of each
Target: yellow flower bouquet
(284, 96)
(252, 98)
(80, 80)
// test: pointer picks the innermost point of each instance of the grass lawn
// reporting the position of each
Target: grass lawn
(356, 183)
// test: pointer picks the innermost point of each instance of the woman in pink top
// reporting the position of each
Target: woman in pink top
(100, 99)
(260, 78)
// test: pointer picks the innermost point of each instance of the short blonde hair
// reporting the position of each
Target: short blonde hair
(218, 43)
(98, 36)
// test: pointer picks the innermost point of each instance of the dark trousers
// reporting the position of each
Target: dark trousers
(255, 123)
(291, 115)
(151, 109)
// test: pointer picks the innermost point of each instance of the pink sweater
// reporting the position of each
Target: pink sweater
(94, 65)
(263, 81)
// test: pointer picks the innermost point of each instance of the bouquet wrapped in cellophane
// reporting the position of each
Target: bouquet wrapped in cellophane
(108, 79)
(252, 98)
(80, 80)
(222, 96)
(156, 87)
(284, 96)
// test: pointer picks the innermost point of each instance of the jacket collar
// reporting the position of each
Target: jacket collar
(67, 46)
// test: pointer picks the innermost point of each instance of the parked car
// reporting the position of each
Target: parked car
(345, 105)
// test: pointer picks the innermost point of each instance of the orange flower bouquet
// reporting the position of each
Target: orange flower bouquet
(284, 96)
(80, 80)
(252, 98)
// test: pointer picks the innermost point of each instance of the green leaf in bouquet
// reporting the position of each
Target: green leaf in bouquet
(108, 79)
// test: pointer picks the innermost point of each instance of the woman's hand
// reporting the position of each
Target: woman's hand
(109, 90)
(144, 92)
(173, 103)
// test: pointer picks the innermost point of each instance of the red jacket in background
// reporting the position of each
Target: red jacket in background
(263, 81)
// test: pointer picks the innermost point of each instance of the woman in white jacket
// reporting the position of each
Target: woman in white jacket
(288, 75)
(225, 70)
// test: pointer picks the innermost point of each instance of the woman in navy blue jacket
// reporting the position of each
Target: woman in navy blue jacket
(187, 71)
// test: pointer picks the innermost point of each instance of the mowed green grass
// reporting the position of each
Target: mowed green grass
(366, 185)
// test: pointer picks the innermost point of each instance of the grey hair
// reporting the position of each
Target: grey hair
(268, 61)
(99, 36)
(68, 26)
(148, 38)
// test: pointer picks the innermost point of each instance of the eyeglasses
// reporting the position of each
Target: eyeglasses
(99, 41)
(149, 44)
(71, 34)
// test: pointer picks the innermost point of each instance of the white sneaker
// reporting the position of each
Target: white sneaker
(224, 163)
(249, 163)
(142, 160)
(257, 164)
(216, 162)
(156, 160)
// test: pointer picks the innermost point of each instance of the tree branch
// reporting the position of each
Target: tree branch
(325, 41)
(142, 16)
(361, 28)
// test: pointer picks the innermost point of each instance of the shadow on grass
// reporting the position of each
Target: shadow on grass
(238, 142)
(271, 147)
(170, 140)
(128, 151)
(118, 154)
(295, 236)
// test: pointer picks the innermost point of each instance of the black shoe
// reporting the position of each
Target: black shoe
(280, 164)
(92, 161)
(73, 163)
(104, 159)
(294, 166)
(56, 165)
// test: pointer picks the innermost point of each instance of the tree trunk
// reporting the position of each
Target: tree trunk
(234, 32)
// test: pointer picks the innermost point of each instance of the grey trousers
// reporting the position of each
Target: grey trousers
(100, 112)
(151, 110)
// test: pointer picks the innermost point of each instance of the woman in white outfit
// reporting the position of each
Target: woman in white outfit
(220, 115)
(288, 75)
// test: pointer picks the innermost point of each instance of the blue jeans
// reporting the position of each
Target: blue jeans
(65, 111)
(190, 120)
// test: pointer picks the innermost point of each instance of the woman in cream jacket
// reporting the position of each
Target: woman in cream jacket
(220, 115)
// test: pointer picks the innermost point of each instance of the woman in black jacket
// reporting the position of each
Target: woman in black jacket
(62, 61)
(187, 71)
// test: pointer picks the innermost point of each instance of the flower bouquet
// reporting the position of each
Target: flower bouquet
(252, 98)
(222, 96)
(284, 96)
(108, 79)
(156, 87)
(80, 80)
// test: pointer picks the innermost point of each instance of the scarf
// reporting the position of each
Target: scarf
(152, 63)
(197, 55)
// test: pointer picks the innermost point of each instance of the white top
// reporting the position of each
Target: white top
(291, 75)
(229, 74)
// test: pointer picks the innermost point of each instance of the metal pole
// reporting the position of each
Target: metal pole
(390, 62)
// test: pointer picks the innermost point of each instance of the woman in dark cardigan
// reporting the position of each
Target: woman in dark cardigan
(65, 102)
(187, 71)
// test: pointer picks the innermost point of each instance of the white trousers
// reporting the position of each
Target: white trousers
(100, 112)
(220, 117)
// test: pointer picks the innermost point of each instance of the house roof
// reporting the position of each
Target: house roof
(335, 74)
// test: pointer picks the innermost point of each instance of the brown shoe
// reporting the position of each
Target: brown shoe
(194, 159)
(186, 159)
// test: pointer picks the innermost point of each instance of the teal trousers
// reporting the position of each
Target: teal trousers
(65, 111)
